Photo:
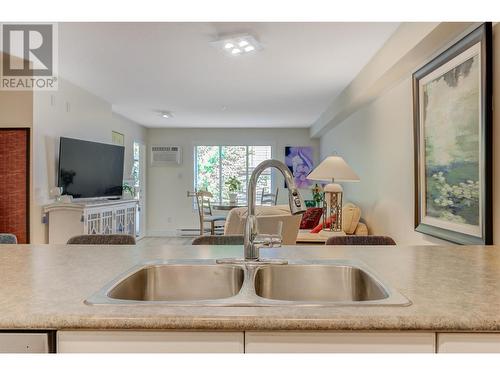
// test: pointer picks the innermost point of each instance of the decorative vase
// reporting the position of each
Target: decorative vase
(127, 195)
(233, 198)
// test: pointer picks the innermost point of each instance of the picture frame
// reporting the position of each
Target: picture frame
(117, 138)
(452, 119)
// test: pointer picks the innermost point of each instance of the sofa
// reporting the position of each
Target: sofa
(269, 217)
(351, 225)
(268, 221)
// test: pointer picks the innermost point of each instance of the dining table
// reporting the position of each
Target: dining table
(226, 206)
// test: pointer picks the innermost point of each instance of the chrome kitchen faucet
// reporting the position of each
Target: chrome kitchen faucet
(253, 241)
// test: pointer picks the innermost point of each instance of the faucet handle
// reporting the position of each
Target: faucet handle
(297, 205)
(267, 240)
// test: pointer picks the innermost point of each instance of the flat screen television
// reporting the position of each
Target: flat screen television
(90, 169)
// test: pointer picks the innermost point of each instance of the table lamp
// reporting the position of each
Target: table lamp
(333, 169)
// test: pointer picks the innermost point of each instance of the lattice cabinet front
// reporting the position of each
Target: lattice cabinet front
(130, 220)
(110, 220)
(70, 219)
(92, 222)
(120, 218)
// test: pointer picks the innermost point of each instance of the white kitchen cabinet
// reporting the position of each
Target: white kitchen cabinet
(126, 341)
(339, 342)
(20, 342)
(149, 342)
(468, 342)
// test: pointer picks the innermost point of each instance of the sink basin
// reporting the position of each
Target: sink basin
(179, 282)
(317, 282)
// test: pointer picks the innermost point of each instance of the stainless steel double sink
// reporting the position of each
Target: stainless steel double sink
(206, 283)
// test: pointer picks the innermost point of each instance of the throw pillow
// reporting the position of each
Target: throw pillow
(311, 218)
(350, 218)
(319, 227)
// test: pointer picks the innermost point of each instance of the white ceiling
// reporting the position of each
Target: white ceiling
(141, 68)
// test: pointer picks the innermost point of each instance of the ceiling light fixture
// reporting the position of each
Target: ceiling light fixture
(238, 45)
(166, 114)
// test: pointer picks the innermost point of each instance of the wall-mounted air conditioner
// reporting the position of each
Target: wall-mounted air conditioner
(166, 155)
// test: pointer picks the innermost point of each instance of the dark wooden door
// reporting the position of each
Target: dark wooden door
(14, 182)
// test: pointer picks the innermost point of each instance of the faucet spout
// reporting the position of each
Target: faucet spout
(295, 202)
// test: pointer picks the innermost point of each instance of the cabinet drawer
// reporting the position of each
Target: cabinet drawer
(468, 342)
(24, 342)
(149, 342)
(339, 342)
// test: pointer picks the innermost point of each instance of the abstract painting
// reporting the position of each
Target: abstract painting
(451, 126)
(300, 162)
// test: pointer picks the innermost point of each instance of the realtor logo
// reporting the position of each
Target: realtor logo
(29, 57)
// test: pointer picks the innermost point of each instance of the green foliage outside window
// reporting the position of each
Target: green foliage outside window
(216, 166)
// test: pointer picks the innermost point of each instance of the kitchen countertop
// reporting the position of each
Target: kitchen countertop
(452, 288)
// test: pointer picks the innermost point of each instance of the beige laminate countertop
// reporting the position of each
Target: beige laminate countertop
(452, 288)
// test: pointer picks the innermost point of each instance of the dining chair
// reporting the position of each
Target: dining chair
(268, 198)
(8, 239)
(102, 239)
(205, 213)
(218, 240)
(360, 240)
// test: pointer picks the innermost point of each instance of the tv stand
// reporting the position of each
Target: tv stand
(97, 216)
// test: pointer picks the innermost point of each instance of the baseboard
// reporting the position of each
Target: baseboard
(162, 233)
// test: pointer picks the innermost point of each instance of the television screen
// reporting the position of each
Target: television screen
(90, 169)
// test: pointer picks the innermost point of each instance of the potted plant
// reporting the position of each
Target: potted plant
(317, 194)
(128, 191)
(234, 186)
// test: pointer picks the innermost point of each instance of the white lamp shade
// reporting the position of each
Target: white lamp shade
(333, 168)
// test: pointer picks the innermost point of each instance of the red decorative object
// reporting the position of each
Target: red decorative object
(14, 183)
(318, 228)
(311, 218)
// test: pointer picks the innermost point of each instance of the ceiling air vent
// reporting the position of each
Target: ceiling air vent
(166, 155)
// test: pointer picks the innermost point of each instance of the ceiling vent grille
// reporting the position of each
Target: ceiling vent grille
(166, 155)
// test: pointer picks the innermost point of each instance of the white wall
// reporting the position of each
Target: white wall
(70, 112)
(377, 141)
(168, 207)
(410, 46)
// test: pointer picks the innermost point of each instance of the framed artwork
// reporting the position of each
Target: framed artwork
(117, 138)
(452, 111)
(300, 162)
